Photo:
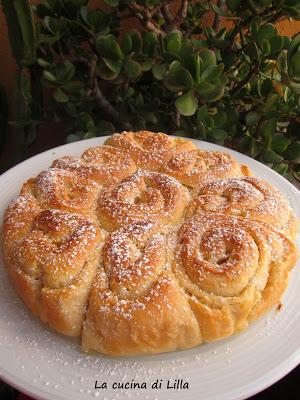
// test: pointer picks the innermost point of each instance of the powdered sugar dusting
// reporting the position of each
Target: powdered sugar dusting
(114, 194)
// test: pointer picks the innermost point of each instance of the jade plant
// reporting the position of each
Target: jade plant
(235, 82)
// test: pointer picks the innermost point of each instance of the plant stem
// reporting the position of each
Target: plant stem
(217, 19)
(144, 15)
(101, 100)
(181, 14)
(166, 13)
(247, 79)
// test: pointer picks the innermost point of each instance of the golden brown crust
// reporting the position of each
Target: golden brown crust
(149, 150)
(245, 197)
(233, 269)
(51, 257)
(111, 246)
(136, 305)
(103, 164)
(144, 194)
(193, 167)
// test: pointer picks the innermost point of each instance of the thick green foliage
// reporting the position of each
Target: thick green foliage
(239, 87)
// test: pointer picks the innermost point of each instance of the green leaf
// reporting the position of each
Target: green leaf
(178, 78)
(88, 135)
(208, 58)
(269, 156)
(108, 69)
(219, 135)
(280, 143)
(49, 76)
(60, 96)
(210, 92)
(265, 32)
(292, 8)
(132, 69)
(105, 128)
(98, 21)
(255, 147)
(108, 47)
(187, 104)
(293, 152)
(47, 39)
(74, 87)
(137, 42)
(265, 47)
(158, 71)
(220, 119)
(282, 62)
(281, 167)
(254, 26)
(150, 117)
(252, 51)
(147, 65)
(294, 46)
(126, 44)
(276, 44)
(174, 42)
(296, 172)
(84, 14)
(85, 122)
(43, 63)
(149, 42)
(54, 25)
(252, 118)
(245, 143)
(64, 71)
(268, 128)
(113, 65)
(295, 64)
(295, 86)
(212, 72)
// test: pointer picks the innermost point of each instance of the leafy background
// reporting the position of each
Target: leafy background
(237, 87)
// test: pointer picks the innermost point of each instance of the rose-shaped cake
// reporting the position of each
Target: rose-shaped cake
(148, 244)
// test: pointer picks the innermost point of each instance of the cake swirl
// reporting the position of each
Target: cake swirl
(136, 292)
(143, 194)
(195, 166)
(103, 164)
(64, 190)
(233, 270)
(52, 259)
(149, 150)
(246, 197)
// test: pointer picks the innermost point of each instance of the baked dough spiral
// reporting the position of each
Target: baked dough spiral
(152, 194)
(247, 197)
(136, 304)
(147, 245)
(195, 166)
(103, 164)
(64, 190)
(233, 270)
(52, 258)
(149, 151)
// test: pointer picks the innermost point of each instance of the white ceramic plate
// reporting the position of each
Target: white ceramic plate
(48, 366)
